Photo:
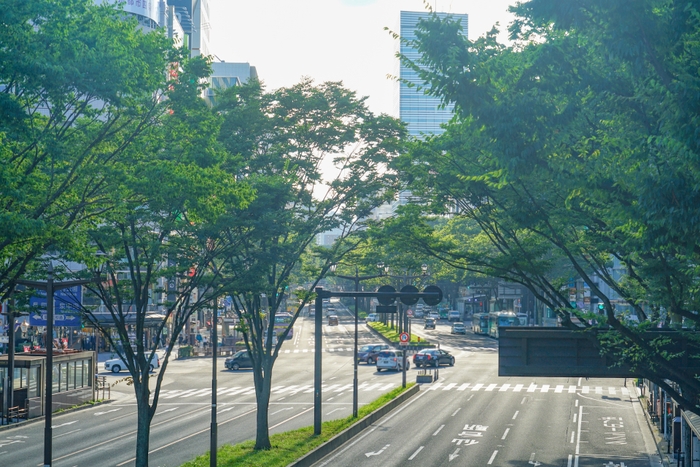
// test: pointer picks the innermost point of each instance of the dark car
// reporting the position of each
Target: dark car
(332, 320)
(369, 353)
(433, 357)
(429, 323)
(240, 359)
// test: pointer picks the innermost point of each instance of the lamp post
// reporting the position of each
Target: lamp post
(357, 279)
(50, 287)
(213, 443)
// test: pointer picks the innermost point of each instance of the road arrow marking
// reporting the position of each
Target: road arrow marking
(102, 413)
(225, 410)
(454, 455)
(369, 454)
(64, 424)
(282, 410)
(533, 461)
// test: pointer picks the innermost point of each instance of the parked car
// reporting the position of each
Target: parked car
(454, 315)
(429, 323)
(433, 357)
(390, 360)
(240, 359)
(115, 365)
(459, 328)
(372, 317)
(332, 320)
(368, 353)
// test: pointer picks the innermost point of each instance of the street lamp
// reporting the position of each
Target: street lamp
(50, 287)
(356, 278)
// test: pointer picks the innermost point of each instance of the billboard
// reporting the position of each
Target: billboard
(66, 307)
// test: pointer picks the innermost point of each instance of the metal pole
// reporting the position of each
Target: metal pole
(9, 386)
(213, 445)
(48, 408)
(355, 364)
(317, 361)
(403, 370)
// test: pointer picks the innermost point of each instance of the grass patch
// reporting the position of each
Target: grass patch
(289, 446)
(393, 334)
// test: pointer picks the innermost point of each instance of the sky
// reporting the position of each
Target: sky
(331, 40)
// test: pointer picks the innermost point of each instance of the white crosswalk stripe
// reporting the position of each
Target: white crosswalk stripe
(367, 387)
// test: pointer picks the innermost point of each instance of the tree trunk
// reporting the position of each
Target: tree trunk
(262, 395)
(143, 423)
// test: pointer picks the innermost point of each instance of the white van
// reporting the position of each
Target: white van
(454, 315)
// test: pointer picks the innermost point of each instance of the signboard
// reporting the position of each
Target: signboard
(409, 312)
(403, 338)
(66, 307)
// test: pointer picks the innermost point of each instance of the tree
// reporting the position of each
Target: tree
(573, 150)
(76, 88)
(168, 190)
(282, 139)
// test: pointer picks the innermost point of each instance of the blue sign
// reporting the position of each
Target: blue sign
(66, 307)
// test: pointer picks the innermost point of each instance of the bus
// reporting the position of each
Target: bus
(282, 321)
(501, 318)
(480, 323)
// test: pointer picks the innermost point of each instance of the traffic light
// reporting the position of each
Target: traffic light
(601, 306)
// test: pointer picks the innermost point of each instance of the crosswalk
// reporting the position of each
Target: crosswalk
(349, 349)
(437, 386)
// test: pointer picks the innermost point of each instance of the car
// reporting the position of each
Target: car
(418, 314)
(332, 320)
(429, 323)
(390, 360)
(372, 317)
(458, 328)
(454, 315)
(240, 359)
(435, 315)
(115, 365)
(433, 357)
(368, 353)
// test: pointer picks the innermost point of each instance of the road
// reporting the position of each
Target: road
(472, 417)
(469, 416)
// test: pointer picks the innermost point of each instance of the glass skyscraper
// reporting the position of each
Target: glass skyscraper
(421, 112)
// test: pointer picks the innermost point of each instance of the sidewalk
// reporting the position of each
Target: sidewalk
(657, 441)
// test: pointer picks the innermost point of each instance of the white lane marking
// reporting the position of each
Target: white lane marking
(533, 461)
(368, 454)
(454, 455)
(282, 410)
(578, 435)
(438, 430)
(167, 410)
(493, 456)
(517, 388)
(434, 386)
(572, 389)
(569, 463)
(598, 390)
(64, 434)
(65, 424)
(576, 405)
(477, 387)
(523, 401)
(334, 410)
(463, 387)
(108, 411)
(413, 456)
(545, 388)
(573, 433)
(455, 412)
(491, 387)
(575, 417)
(515, 415)
(449, 386)
(532, 387)
(505, 433)
(579, 381)
(227, 409)
(504, 387)
(584, 390)
(612, 391)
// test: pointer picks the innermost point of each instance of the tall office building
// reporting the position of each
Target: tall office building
(421, 112)
(228, 74)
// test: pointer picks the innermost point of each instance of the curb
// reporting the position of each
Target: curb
(349, 433)
(395, 344)
(661, 460)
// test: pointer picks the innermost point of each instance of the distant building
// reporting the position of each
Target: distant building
(422, 113)
(227, 74)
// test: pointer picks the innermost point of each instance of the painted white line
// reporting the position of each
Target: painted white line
(532, 388)
(463, 387)
(517, 388)
(576, 404)
(493, 456)
(515, 415)
(545, 388)
(438, 430)
(572, 437)
(504, 387)
(559, 388)
(449, 386)
(491, 387)
(612, 391)
(433, 387)
(413, 456)
(579, 381)
(578, 435)
(572, 389)
(585, 390)
(477, 387)
(455, 412)
(523, 401)
(569, 463)
(505, 433)
(575, 417)
(598, 390)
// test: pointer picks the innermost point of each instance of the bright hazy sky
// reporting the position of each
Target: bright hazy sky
(330, 40)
